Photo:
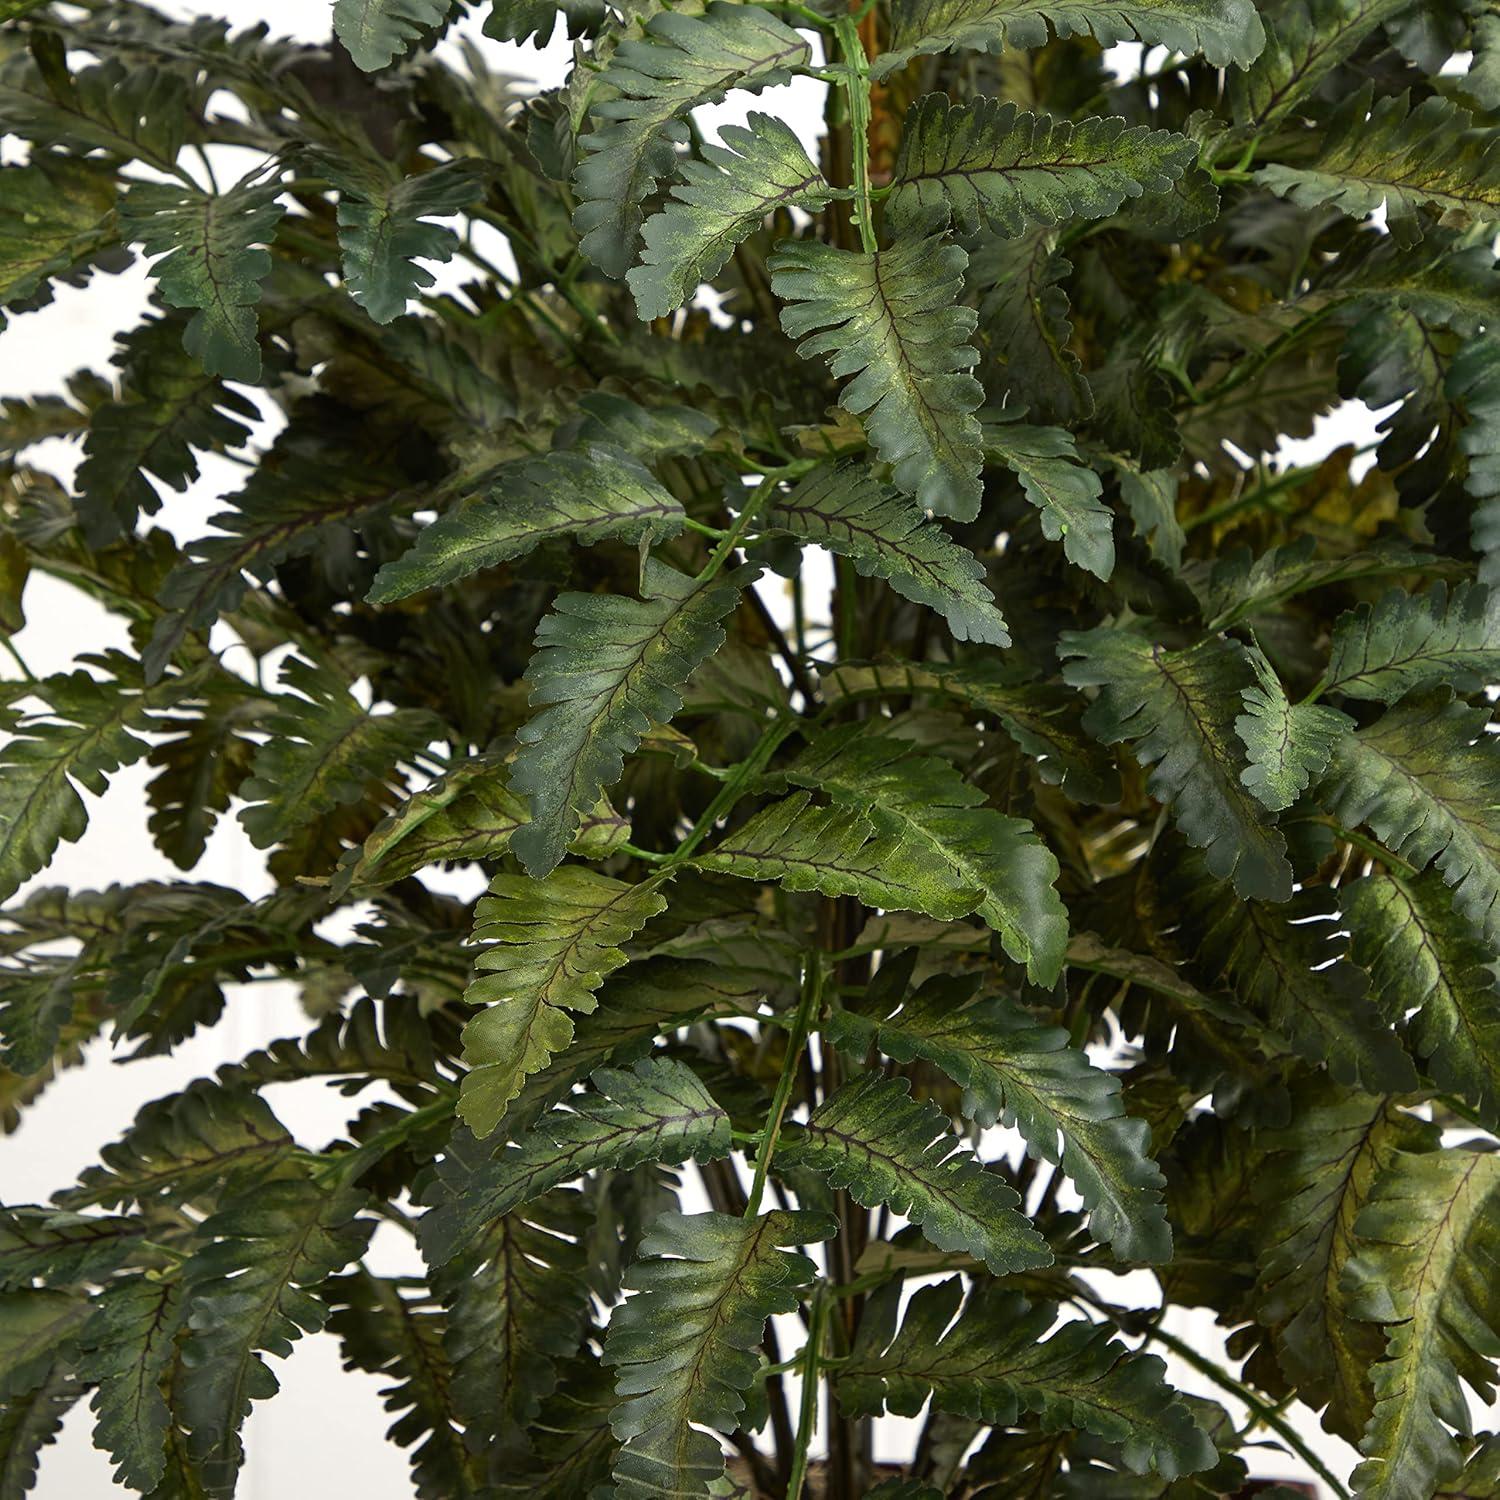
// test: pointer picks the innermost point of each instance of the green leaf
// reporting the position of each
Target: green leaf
(589, 496)
(724, 199)
(469, 814)
(942, 834)
(127, 1344)
(52, 1247)
(29, 1423)
(385, 1334)
(88, 729)
(555, 940)
(1425, 1240)
(685, 1346)
(1066, 492)
(1023, 315)
(59, 220)
(993, 1365)
(384, 230)
(839, 852)
(303, 495)
(1321, 1172)
(1305, 41)
(187, 1149)
(1376, 152)
(251, 1289)
(1178, 707)
(1426, 964)
(603, 670)
(1425, 778)
(872, 1139)
(892, 320)
(996, 168)
(376, 31)
(212, 260)
(140, 112)
(1042, 718)
(1286, 963)
(656, 1111)
(1224, 31)
(682, 61)
(168, 411)
(1288, 744)
(846, 510)
(1405, 642)
(1017, 1072)
(37, 1329)
(324, 750)
(518, 1303)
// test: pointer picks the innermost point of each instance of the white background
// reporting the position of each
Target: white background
(324, 1433)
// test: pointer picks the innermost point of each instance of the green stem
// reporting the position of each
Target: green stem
(807, 1006)
(15, 656)
(857, 87)
(807, 1420)
(729, 793)
(1370, 847)
(730, 539)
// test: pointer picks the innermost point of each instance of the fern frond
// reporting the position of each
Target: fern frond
(555, 940)
(588, 495)
(684, 1347)
(1177, 708)
(324, 751)
(1223, 31)
(847, 510)
(1015, 1071)
(996, 168)
(1406, 642)
(1377, 152)
(385, 229)
(656, 1111)
(1064, 490)
(1425, 778)
(1426, 1241)
(1319, 1174)
(251, 1289)
(758, 168)
(883, 1147)
(374, 32)
(941, 833)
(604, 669)
(212, 260)
(891, 319)
(1426, 964)
(993, 1365)
(1287, 744)
(682, 61)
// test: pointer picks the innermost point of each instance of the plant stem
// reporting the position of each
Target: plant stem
(807, 1006)
(857, 86)
(15, 656)
(807, 1420)
(730, 539)
(729, 793)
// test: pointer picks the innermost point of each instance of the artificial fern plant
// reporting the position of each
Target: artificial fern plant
(1106, 876)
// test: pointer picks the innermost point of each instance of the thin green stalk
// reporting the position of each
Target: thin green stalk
(807, 1420)
(730, 539)
(807, 1006)
(729, 793)
(857, 87)
(15, 656)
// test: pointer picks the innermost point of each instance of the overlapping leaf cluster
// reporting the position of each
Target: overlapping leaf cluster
(736, 978)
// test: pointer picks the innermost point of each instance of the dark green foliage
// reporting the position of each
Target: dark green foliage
(940, 991)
